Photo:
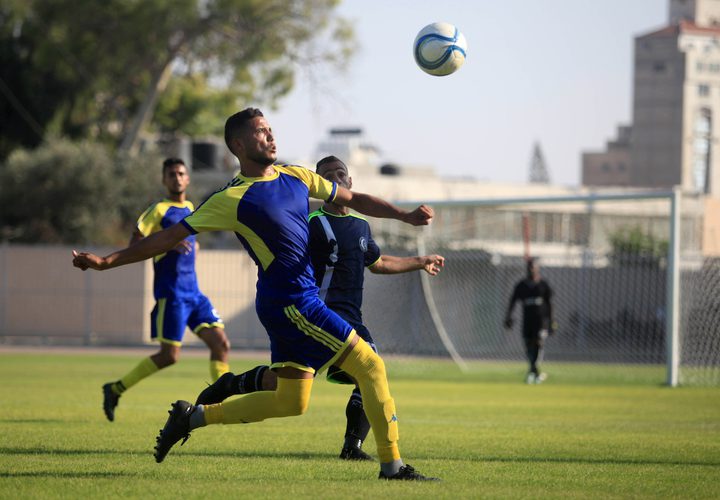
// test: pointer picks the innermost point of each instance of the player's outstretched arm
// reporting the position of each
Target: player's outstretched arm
(153, 245)
(508, 314)
(390, 264)
(184, 247)
(373, 206)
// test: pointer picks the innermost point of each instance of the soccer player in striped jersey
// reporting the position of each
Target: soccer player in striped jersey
(341, 247)
(179, 302)
(266, 205)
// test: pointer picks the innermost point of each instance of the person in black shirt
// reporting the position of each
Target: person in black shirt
(535, 295)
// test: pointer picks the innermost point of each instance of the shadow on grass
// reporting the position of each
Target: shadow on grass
(61, 451)
(31, 421)
(67, 475)
(307, 455)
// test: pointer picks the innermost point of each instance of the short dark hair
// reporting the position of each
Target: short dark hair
(328, 159)
(238, 121)
(169, 162)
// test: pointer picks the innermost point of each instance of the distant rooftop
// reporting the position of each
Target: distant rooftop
(683, 27)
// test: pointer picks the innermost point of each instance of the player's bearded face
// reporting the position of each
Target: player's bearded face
(176, 179)
(260, 142)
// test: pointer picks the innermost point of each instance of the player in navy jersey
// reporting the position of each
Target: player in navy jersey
(266, 206)
(179, 302)
(341, 247)
(535, 295)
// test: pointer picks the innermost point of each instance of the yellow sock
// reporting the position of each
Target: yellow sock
(368, 369)
(144, 368)
(290, 398)
(217, 369)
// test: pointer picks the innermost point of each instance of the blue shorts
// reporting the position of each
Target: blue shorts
(305, 335)
(171, 315)
(338, 376)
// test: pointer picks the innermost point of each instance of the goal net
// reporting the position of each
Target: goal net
(610, 260)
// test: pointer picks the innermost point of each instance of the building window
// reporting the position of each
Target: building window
(659, 66)
(621, 167)
(703, 90)
(702, 150)
(605, 167)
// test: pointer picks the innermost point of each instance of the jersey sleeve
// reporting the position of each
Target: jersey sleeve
(372, 254)
(149, 221)
(217, 213)
(318, 187)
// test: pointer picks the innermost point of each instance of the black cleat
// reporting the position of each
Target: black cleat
(353, 453)
(110, 401)
(407, 473)
(218, 391)
(176, 428)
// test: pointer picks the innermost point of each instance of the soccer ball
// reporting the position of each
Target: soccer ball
(439, 49)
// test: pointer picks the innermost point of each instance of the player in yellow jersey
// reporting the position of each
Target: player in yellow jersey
(266, 206)
(179, 302)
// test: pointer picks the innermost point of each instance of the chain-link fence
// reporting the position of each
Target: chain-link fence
(607, 261)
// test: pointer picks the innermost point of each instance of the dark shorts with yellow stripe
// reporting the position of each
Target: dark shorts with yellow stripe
(305, 334)
(172, 315)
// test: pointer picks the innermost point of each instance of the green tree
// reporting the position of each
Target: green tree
(90, 69)
(633, 246)
(191, 106)
(67, 192)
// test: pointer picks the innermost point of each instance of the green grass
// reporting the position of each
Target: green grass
(591, 431)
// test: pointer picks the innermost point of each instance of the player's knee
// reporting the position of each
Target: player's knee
(292, 398)
(165, 359)
(269, 380)
(299, 408)
(365, 365)
(215, 338)
(376, 368)
(292, 405)
(223, 342)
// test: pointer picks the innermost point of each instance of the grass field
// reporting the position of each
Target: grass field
(589, 432)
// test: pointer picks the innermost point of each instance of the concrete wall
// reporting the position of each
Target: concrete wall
(43, 299)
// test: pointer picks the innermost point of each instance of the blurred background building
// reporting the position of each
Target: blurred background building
(676, 103)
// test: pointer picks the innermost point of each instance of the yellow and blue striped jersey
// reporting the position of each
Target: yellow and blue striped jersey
(269, 217)
(174, 271)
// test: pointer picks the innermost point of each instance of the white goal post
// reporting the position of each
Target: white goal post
(608, 253)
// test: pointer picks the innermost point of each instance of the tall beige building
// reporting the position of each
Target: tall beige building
(676, 104)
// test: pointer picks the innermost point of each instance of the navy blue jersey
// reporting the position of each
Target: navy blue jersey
(341, 247)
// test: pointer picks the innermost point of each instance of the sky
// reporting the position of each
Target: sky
(555, 72)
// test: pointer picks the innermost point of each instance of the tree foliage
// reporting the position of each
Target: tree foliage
(89, 69)
(67, 192)
(633, 246)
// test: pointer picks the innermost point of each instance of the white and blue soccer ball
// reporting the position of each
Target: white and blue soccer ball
(439, 49)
